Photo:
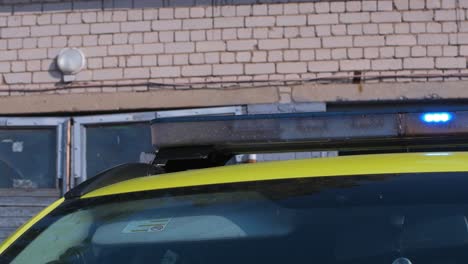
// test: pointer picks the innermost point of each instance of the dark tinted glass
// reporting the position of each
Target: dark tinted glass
(354, 219)
(20, 164)
(109, 146)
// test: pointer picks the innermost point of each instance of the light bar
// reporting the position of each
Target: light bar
(311, 131)
(443, 117)
(451, 124)
(268, 129)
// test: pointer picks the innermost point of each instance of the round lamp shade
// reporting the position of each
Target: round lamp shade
(71, 61)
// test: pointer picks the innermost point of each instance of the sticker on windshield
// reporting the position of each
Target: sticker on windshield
(146, 226)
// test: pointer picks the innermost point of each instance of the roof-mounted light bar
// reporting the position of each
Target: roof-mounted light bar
(311, 131)
(442, 117)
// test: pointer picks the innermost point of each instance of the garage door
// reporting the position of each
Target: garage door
(32, 166)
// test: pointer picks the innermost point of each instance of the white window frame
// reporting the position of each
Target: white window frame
(61, 125)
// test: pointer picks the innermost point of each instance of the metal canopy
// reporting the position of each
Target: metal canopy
(199, 137)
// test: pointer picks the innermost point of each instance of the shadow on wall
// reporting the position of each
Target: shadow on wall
(22, 6)
(54, 72)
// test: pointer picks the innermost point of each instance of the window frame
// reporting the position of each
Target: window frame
(62, 126)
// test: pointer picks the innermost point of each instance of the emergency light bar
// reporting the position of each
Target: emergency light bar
(310, 131)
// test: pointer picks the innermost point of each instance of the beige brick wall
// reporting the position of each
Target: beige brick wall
(233, 43)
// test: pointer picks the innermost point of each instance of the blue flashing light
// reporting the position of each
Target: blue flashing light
(441, 117)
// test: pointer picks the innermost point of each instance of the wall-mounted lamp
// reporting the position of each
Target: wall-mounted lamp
(70, 61)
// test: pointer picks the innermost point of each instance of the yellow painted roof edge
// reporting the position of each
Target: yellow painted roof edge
(336, 166)
(21, 230)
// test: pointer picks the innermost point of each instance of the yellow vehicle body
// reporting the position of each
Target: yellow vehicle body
(336, 166)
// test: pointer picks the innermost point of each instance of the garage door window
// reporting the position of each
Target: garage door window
(21, 165)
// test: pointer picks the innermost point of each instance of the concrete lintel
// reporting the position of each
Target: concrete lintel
(286, 108)
(380, 91)
(131, 101)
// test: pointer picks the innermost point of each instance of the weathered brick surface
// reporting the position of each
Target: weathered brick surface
(46, 77)
(369, 41)
(450, 63)
(136, 73)
(16, 78)
(228, 69)
(386, 64)
(18, 66)
(418, 63)
(241, 45)
(161, 72)
(292, 67)
(324, 66)
(244, 42)
(352, 65)
(198, 70)
(108, 74)
(207, 46)
(103, 28)
(260, 68)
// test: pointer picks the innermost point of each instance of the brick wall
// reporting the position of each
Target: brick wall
(232, 43)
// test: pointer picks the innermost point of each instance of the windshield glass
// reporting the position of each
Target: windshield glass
(350, 219)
